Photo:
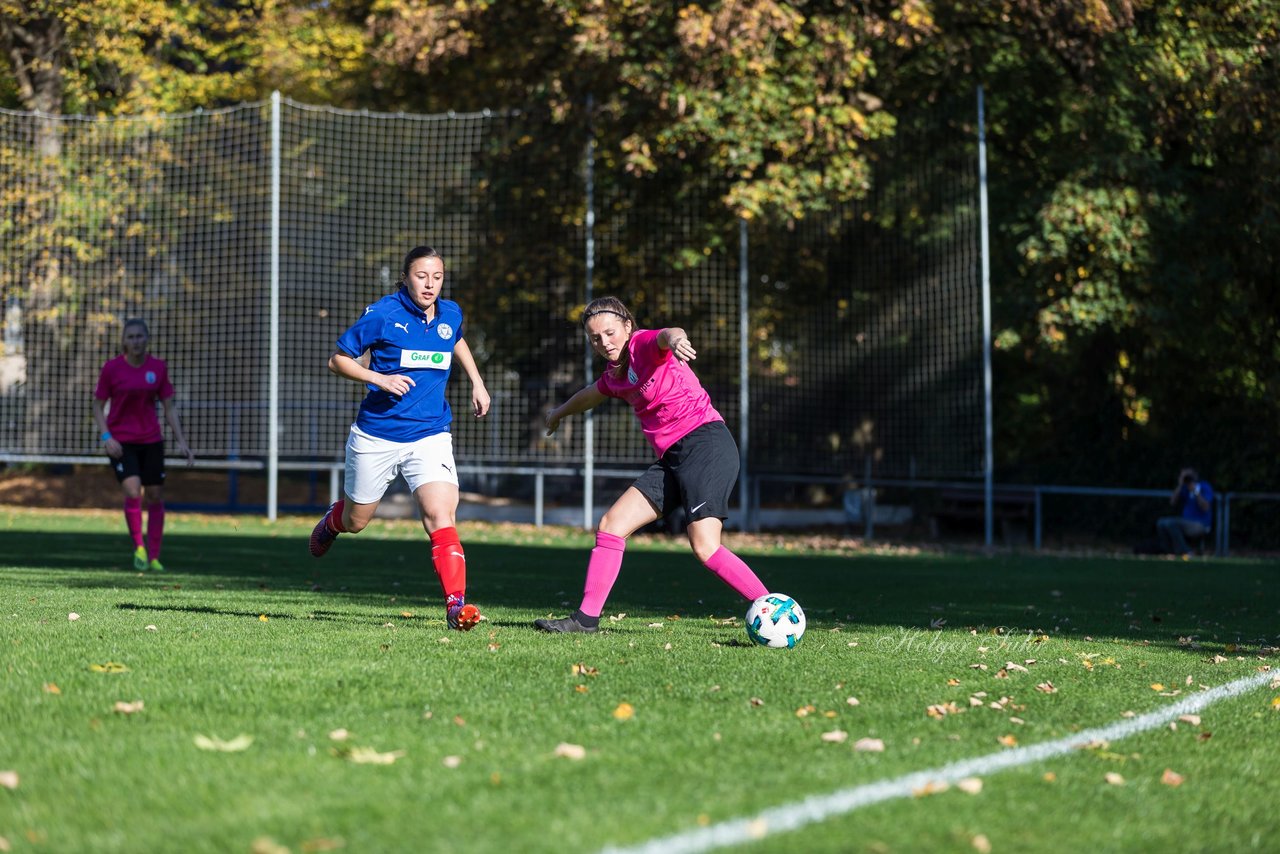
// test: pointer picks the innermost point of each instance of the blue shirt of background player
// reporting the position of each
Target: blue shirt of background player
(400, 340)
(1191, 508)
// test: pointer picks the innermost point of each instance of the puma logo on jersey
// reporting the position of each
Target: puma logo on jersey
(403, 326)
(446, 467)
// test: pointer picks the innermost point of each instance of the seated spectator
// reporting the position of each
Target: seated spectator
(1194, 498)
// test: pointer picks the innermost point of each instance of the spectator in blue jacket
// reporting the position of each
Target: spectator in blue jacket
(1194, 498)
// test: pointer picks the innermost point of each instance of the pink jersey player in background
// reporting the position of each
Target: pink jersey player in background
(124, 408)
(697, 463)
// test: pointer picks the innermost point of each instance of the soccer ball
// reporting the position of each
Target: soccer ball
(776, 620)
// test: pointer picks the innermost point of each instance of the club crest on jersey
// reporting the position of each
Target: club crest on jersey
(151, 377)
(631, 375)
(445, 330)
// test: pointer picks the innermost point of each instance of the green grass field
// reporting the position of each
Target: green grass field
(458, 741)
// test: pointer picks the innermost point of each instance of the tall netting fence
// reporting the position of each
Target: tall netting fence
(863, 348)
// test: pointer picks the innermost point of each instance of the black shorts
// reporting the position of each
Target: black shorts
(698, 473)
(145, 461)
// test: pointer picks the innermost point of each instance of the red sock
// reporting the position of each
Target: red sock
(602, 571)
(133, 519)
(450, 561)
(334, 517)
(733, 572)
(155, 529)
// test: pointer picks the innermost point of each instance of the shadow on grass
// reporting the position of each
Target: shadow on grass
(1164, 603)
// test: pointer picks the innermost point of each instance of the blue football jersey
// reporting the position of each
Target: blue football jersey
(401, 340)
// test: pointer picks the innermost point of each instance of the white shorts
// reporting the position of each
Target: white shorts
(373, 464)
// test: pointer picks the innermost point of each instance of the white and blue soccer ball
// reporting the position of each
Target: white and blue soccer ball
(775, 620)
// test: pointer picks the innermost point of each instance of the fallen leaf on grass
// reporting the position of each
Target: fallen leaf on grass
(624, 712)
(1046, 688)
(262, 618)
(109, 667)
(368, 755)
(1008, 740)
(8, 780)
(580, 669)
(930, 788)
(981, 844)
(339, 734)
(1113, 778)
(235, 745)
(1171, 778)
(756, 701)
(267, 845)
(451, 761)
(869, 745)
(73, 616)
(51, 688)
(970, 785)
(127, 708)
(1194, 720)
(940, 710)
(836, 736)
(570, 751)
(5, 845)
(853, 701)
(323, 844)
(1157, 686)
(152, 629)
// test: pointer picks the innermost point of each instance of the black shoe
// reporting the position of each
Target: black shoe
(565, 624)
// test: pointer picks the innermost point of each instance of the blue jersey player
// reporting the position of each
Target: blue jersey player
(412, 338)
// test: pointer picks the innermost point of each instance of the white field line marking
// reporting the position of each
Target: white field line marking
(818, 808)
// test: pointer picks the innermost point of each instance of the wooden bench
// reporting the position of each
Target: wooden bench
(1012, 508)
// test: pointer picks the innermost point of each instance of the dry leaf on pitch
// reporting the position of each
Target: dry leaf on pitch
(213, 743)
(125, 708)
(370, 756)
(570, 751)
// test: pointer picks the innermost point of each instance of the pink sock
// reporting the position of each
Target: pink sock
(602, 571)
(736, 574)
(155, 529)
(133, 519)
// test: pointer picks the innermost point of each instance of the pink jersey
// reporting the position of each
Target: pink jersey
(664, 391)
(133, 392)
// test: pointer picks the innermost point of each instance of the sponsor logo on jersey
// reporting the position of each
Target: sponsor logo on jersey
(426, 359)
(403, 326)
(151, 377)
(445, 330)
(631, 375)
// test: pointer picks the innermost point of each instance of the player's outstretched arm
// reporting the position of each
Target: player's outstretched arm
(676, 340)
(479, 394)
(345, 366)
(588, 397)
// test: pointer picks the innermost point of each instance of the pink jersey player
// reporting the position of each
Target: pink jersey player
(124, 408)
(697, 464)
